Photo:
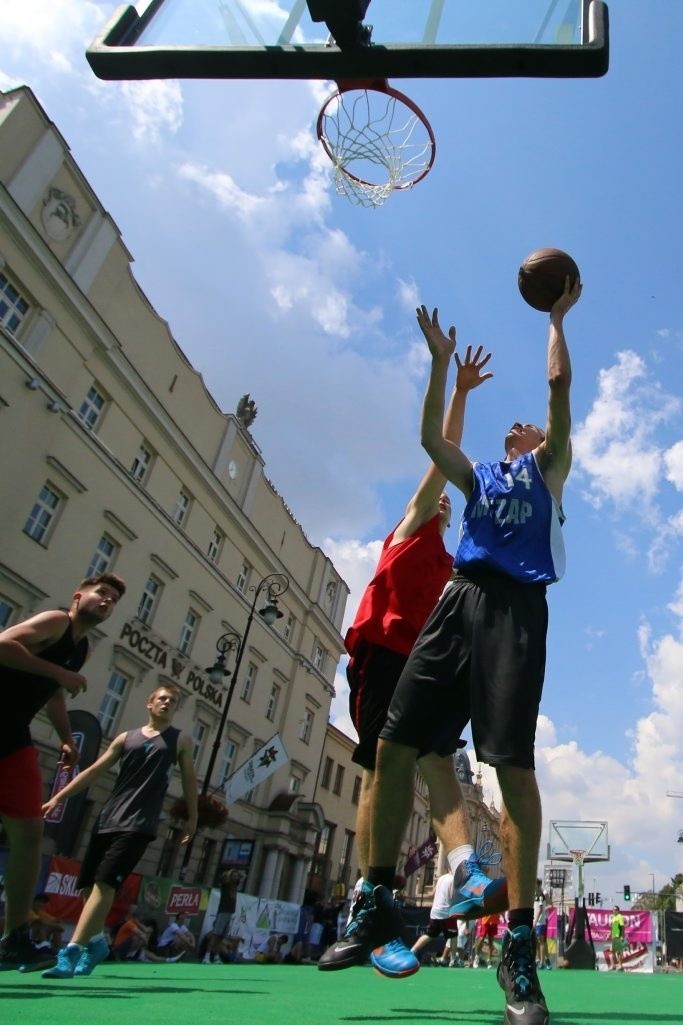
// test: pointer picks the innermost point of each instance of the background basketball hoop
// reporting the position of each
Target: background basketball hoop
(377, 138)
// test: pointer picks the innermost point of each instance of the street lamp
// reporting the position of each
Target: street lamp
(275, 584)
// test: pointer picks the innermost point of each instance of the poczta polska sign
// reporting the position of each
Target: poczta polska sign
(162, 656)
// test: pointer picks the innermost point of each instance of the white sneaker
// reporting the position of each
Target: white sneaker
(217, 960)
(206, 959)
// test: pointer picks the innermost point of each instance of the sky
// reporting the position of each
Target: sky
(274, 285)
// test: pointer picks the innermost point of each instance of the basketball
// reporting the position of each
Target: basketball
(542, 275)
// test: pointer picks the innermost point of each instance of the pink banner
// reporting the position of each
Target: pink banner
(638, 924)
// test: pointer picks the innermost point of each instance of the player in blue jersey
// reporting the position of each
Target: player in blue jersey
(480, 657)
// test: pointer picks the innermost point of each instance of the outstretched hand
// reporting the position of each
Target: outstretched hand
(439, 343)
(470, 369)
(569, 298)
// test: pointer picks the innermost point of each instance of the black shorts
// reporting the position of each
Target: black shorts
(481, 659)
(442, 927)
(373, 673)
(111, 857)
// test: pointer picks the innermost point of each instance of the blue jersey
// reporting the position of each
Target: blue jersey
(511, 523)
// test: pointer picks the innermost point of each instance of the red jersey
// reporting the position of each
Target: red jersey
(408, 581)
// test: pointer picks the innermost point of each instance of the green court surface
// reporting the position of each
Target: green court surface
(194, 994)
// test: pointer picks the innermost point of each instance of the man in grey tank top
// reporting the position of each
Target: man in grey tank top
(127, 822)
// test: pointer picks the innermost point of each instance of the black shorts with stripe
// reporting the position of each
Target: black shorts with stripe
(480, 658)
(372, 672)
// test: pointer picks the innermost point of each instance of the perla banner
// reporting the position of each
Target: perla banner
(267, 760)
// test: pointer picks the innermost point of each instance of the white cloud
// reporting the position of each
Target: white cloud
(155, 108)
(616, 448)
(673, 461)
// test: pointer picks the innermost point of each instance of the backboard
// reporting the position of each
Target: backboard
(570, 835)
(354, 39)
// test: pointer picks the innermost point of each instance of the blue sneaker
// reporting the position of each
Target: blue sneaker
(94, 954)
(394, 960)
(474, 894)
(374, 922)
(67, 959)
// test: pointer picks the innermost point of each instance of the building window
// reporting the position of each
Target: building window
(306, 726)
(149, 600)
(325, 841)
(272, 702)
(199, 731)
(355, 796)
(91, 408)
(318, 656)
(188, 632)
(345, 858)
(103, 559)
(181, 508)
(13, 306)
(249, 682)
(110, 707)
(215, 545)
(227, 761)
(141, 464)
(338, 780)
(327, 773)
(294, 785)
(6, 613)
(288, 631)
(42, 516)
(243, 577)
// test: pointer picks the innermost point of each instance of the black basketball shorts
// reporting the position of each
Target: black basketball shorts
(480, 658)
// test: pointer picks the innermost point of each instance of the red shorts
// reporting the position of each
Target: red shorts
(21, 785)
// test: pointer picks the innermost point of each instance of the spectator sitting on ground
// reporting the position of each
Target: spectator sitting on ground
(270, 951)
(46, 931)
(131, 936)
(177, 938)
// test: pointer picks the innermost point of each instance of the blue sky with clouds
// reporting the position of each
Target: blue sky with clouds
(274, 285)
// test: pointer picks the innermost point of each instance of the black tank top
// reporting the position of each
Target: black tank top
(26, 693)
(144, 773)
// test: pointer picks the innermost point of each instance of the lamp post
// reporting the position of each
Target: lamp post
(275, 584)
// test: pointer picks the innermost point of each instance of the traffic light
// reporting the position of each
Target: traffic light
(627, 892)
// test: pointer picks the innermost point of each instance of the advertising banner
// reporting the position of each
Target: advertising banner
(428, 850)
(255, 919)
(64, 823)
(260, 766)
(65, 901)
(640, 938)
(166, 897)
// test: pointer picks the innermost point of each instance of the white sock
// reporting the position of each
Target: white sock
(79, 946)
(458, 855)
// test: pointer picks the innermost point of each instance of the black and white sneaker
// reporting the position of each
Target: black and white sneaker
(373, 923)
(524, 1001)
(18, 953)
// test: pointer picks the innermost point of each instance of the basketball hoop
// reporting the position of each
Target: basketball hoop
(578, 857)
(378, 140)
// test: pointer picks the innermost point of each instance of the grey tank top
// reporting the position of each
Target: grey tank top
(144, 773)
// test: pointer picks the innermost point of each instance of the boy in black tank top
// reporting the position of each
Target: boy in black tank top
(40, 660)
(127, 822)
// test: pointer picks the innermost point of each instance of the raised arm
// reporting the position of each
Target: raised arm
(445, 451)
(554, 454)
(188, 779)
(470, 374)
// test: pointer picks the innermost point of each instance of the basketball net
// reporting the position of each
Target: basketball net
(378, 140)
(578, 859)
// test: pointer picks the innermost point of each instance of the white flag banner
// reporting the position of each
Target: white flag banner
(267, 760)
